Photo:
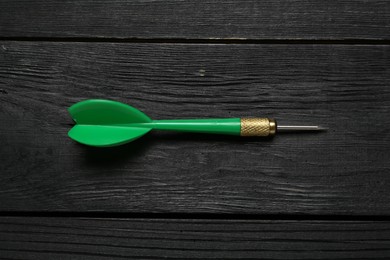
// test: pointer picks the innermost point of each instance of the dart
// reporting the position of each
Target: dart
(105, 123)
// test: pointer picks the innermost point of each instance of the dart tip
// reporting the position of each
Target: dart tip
(320, 128)
(296, 128)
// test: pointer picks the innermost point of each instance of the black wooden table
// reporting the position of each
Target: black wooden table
(170, 195)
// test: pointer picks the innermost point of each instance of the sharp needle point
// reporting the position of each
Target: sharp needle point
(295, 128)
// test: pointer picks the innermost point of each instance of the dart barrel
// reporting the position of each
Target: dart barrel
(257, 127)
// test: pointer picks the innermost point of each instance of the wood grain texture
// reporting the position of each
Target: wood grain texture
(88, 238)
(342, 171)
(151, 19)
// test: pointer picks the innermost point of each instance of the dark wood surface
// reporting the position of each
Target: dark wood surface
(342, 87)
(89, 238)
(145, 19)
(170, 195)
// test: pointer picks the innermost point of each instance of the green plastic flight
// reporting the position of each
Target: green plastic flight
(105, 123)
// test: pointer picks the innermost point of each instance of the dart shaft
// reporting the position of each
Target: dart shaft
(230, 126)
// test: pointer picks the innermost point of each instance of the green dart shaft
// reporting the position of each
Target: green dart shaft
(229, 126)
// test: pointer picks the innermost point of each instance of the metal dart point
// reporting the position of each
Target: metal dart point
(298, 128)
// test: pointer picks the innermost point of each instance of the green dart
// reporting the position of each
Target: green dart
(105, 123)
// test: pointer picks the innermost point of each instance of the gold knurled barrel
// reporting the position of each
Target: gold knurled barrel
(258, 127)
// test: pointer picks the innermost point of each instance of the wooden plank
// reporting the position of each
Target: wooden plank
(343, 171)
(91, 238)
(145, 19)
